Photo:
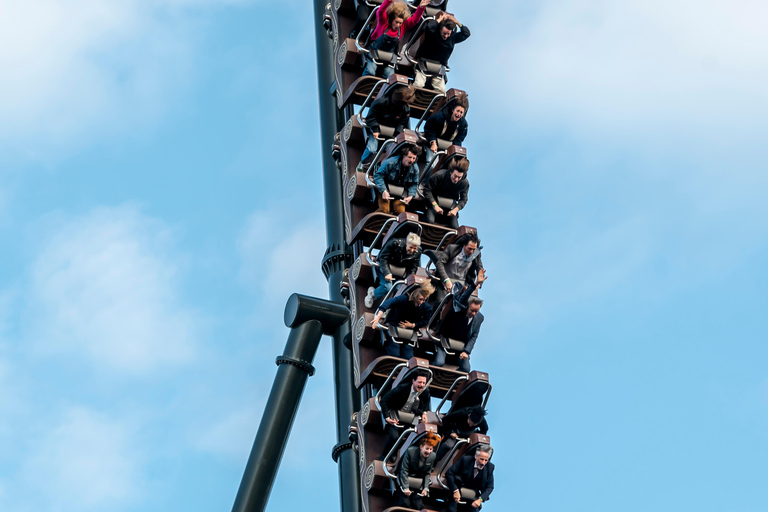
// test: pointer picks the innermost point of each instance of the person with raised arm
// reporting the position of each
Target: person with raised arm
(440, 36)
(393, 19)
(462, 323)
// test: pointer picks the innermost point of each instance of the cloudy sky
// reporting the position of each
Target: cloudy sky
(160, 198)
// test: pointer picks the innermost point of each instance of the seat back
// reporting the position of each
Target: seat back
(471, 392)
(413, 364)
(405, 224)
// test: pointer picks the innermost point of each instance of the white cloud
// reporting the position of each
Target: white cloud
(106, 284)
(280, 258)
(573, 268)
(634, 65)
(78, 66)
(85, 462)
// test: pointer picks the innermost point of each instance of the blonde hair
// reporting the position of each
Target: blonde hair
(413, 239)
(425, 289)
(398, 9)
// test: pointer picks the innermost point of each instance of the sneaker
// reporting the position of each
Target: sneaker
(369, 298)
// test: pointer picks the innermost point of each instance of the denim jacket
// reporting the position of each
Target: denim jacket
(389, 171)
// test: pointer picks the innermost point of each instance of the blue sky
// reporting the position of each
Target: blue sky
(160, 198)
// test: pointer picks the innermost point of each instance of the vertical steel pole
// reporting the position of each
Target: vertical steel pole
(337, 258)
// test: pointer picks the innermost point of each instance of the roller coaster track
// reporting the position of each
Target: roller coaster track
(354, 231)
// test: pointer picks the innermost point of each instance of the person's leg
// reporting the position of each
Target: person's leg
(398, 207)
(387, 71)
(419, 79)
(418, 503)
(392, 435)
(438, 84)
(371, 146)
(392, 348)
(452, 505)
(363, 11)
(402, 500)
(369, 66)
(382, 287)
(453, 221)
(439, 356)
(430, 155)
(383, 205)
(464, 365)
(429, 215)
(406, 351)
(445, 447)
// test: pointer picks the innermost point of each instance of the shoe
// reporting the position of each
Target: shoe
(369, 298)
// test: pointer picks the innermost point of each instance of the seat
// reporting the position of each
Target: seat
(469, 390)
(442, 158)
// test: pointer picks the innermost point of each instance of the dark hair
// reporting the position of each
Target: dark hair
(477, 413)
(459, 164)
(420, 373)
(460, 100)
(470, 237)
(403, 94)
(411, 148)
(449, 24)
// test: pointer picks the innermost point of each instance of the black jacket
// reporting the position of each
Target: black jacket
(440, 126)
(457, 317)
(456, 423)
(442, 257)
(387, 112)
(440, 184)
(393, 253)
(395, 399)
(434, 47)
(461, 473)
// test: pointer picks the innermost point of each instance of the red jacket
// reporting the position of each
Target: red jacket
(382, 24)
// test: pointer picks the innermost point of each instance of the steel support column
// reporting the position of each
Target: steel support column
(338, 257)
(309, 318)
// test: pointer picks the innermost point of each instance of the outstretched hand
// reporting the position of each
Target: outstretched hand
(481, 277)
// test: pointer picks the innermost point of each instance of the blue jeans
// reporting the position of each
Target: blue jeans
(440, 360)
(403, 350)
(382, 286)
(370, 147)
(370, 68)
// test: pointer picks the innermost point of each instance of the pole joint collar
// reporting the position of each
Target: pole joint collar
(297, 363)
(340, 447)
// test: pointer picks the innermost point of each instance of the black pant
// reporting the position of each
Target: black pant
(393, 434)
(445, 447)
(363, 11)
(451, 220)
(452, 505)
(413, 501)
